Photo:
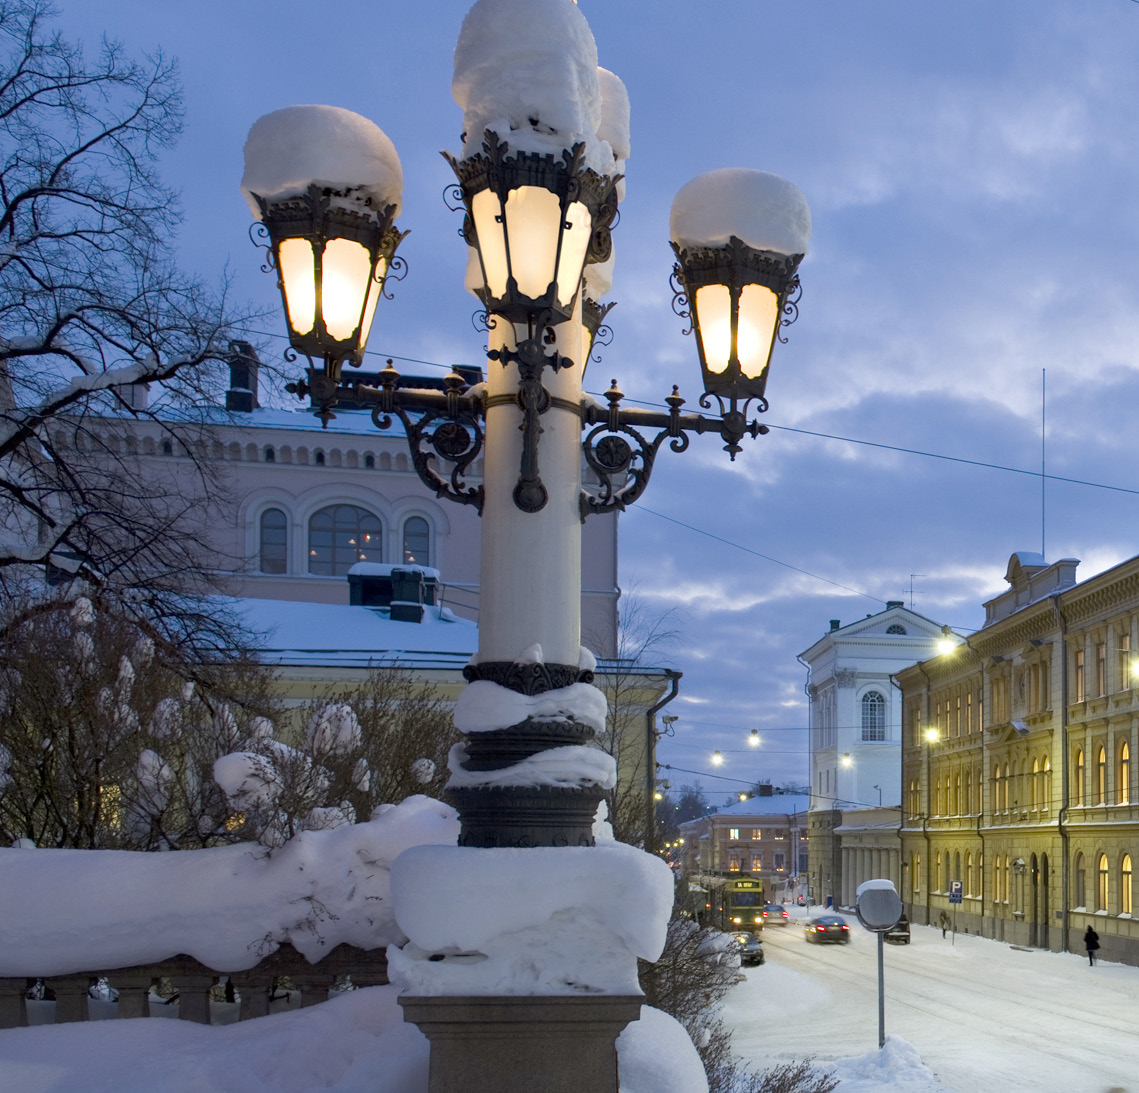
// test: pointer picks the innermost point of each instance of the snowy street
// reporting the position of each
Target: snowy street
(984, 1017)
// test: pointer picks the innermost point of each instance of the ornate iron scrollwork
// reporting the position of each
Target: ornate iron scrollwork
(530, 494)
(533, 678)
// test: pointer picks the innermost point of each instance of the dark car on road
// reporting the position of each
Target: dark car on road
(774, 914)
(751, 948)
(828, 928)
(899, 933)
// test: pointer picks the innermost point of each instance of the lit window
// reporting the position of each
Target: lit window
(733, 832)
(1125, 901)
(1079, 883)
(1123, 775)
(339, 537)
(1101, 883)
(873, 716)
(274, 547)
(1078, 778)
(1101, 776)
(757, 833)
(417, 541)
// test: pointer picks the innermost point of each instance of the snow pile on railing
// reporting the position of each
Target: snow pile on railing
(228, 907)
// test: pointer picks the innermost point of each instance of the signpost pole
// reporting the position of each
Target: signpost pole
(881, 992)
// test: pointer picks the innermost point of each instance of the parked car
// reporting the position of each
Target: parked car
(899, 933)
(828, 928)
(751, 948)
(774, 914)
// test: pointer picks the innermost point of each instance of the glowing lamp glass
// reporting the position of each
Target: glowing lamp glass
(759, 314)
(297, 267)
(486, 211)
(346, 278)
(714, 312)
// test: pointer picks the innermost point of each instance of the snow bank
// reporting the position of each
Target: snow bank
(78, 910)
(354, 1042)
(767, 212)
(555, 920)
(288, 150)
(527, 70)
(484, 706)
(655, 1055)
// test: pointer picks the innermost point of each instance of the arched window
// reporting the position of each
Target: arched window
(956, 808)
(339, 537)
(416, 541)
(1006, 879)
(916, 871)
(273, 556)
(1123, 775)
(1035, 783)
(1078, 778)
(318, 458)
(370, 462)
(1125, 900)
(1101, 883)
(895, 628)
(956, 867)
(270, 455)
(873, 716)
(1101, 776)
(1079, 882)
(1046, 796)
(167, 448)
(937, 872)
(967, 876)
(968, 790)
(1007, 780)
(997, 788)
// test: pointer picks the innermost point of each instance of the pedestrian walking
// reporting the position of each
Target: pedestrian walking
(943, 922)
(1091, 943)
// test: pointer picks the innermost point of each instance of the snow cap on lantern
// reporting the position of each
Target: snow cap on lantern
(290, 149)
(763, 210)
(527, 70)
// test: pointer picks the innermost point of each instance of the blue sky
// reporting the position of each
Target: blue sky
(972, 170)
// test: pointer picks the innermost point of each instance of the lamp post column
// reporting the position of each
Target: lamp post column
(531, 561)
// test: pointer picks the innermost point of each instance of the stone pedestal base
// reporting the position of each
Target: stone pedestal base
(509, 1044)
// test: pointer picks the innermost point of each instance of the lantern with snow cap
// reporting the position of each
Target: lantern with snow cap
(534, 220)
(332, 243)
(738, 236)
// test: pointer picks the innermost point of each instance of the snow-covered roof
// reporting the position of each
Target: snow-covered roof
(778, 804)
(350, 636)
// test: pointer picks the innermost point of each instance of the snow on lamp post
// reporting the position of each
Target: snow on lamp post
(540, 175)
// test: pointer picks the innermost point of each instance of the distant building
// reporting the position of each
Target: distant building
(856, 734)
(299, 505)
(1026, 804)
(764, 836)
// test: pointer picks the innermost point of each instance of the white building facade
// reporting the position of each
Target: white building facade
(855, 747)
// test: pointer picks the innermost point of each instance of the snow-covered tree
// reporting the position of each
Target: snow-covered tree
(109, 732)
(93, 309)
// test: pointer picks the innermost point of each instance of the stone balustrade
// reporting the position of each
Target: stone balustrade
(193, 980)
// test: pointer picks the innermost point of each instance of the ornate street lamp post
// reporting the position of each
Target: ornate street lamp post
(538, 212)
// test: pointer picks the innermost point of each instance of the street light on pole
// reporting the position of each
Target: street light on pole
(539, 203)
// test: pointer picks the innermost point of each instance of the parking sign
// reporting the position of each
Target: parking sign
(954, 891)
